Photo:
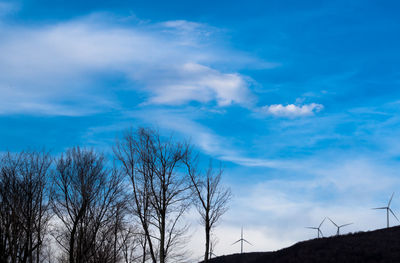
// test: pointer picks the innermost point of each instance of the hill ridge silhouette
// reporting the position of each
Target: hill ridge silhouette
(382, 245)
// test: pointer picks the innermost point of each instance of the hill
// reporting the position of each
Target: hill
(374, 246)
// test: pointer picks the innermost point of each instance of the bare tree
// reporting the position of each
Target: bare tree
(24, 213)
(211, 199)
(124, 236)
(160, 187)
(86, 194)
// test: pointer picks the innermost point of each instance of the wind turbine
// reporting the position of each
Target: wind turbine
(211, 254)
(318, 228)
(241, 240)
(338, 227)
(387, 210)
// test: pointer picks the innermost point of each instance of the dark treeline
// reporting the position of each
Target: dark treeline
(79, 207)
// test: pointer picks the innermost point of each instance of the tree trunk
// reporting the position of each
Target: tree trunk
(73, 232)
(39, 229)
(207, 252)
(144, 251)
(72, 243)
(162, 240)
(116, 235)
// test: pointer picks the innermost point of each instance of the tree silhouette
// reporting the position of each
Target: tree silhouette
(160, 189)
(85, 194)
(211, 199)
(24, 205)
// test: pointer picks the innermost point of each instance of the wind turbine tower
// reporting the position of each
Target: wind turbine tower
(241, 240)
(211, 251)
(388, 209)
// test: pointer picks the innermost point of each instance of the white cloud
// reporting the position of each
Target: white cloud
(201, 83)
(169, 62)
(182, 24)
(292, 110)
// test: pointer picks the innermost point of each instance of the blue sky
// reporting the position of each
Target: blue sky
(300, 100)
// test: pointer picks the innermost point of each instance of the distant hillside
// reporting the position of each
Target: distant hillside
(375, 246)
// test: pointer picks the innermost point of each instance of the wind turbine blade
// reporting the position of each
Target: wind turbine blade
(393, 214)
(247, 242)
(380, 208)
(236, 242)
(322, 222)
(390, 199)
(310, 227)
(333, 222)
(346, 224)
(319, 230)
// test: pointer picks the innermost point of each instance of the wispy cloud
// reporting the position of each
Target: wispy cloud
(169, 63)
(188, 125)
(183, 123)
(292, 110)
